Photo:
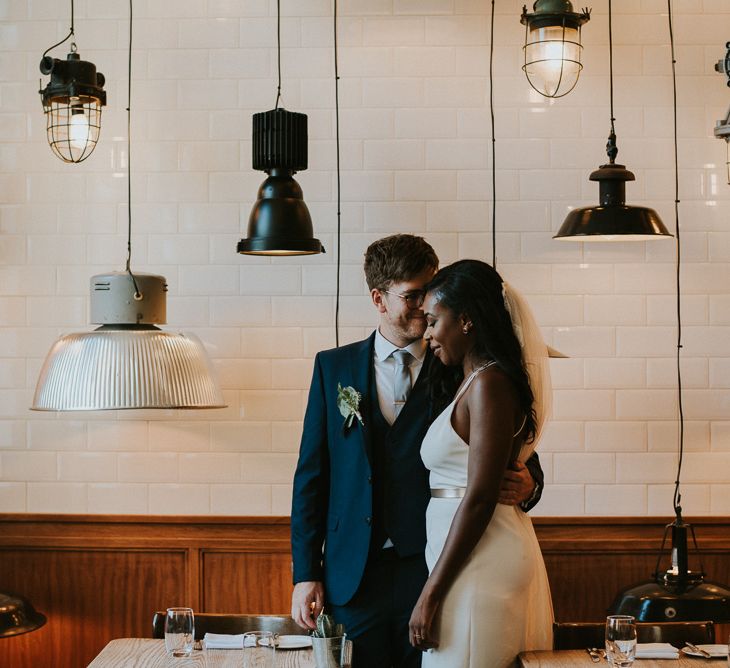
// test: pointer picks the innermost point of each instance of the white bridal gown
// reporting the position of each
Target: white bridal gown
(499, 604)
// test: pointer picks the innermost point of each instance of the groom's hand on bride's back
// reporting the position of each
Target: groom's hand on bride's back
(307, 601)
(517, 485)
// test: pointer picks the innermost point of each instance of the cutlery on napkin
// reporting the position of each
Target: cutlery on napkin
(656, 650)
(224, 641)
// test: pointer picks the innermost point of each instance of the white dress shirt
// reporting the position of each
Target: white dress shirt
(385, 371)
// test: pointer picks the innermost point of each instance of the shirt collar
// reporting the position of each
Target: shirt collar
(384, 348)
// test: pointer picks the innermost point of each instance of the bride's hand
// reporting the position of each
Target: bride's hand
(421, 626)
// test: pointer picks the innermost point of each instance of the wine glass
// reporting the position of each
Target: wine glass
(620, 640)
(179, 631)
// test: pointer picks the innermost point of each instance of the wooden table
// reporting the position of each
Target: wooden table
(579, 658)
(146, 653)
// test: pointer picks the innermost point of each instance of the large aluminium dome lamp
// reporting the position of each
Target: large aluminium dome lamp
(128, 362)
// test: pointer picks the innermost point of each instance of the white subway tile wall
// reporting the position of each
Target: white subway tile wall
(415, 157)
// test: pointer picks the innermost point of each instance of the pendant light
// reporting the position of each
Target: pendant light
(612, 219)
(128, 362)
(17, 615)
(279, 223)
(722, 129)
(677, 594)
(72, 102)
(552, 46)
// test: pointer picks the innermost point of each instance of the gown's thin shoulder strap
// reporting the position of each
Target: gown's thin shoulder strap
(471, 377)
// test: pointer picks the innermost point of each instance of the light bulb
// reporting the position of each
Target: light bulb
(553, 59)
(78, 128)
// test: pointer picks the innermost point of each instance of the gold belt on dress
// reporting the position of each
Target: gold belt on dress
(448, 493)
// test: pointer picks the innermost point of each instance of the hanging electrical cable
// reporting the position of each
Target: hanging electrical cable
(337, 148)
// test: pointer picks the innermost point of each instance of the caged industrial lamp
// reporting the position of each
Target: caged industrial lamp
(552, 46)
(72, 102)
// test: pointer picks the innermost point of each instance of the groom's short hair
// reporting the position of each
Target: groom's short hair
(397, 258)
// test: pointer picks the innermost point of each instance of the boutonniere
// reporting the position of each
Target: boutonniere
(348, 401)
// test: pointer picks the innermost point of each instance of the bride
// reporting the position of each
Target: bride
(487, 597)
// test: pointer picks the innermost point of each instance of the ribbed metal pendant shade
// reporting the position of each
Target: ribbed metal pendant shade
(116, 369)
(128, 362)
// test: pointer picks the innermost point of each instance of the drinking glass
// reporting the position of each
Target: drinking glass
(179, 631)
(332, 652)
(259, 649)
(620, 640)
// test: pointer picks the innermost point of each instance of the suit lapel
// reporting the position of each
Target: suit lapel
(361, 368)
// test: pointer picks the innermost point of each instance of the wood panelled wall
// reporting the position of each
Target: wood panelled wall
(101, 577)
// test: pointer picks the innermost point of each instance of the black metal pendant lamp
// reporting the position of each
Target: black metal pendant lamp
(612, 219)
(279, 223)
(72, 102)
(676, 594)
(552, 47)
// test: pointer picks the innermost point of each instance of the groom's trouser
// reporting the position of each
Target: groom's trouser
(376, 618)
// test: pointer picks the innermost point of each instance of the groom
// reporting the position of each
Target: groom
(358, 527)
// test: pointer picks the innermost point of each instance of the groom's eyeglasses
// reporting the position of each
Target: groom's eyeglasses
(413, 299)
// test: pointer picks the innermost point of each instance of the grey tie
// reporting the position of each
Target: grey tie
(402, 378)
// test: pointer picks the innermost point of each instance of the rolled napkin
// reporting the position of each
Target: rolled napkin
(224, 641)
(656, 650)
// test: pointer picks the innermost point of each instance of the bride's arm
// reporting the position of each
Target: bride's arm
(485, 418)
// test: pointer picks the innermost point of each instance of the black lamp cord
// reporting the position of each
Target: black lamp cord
(677, 495)
(611, 148)
(494, 143)
(339, 214)
(137, 293)
(278, 51)
(70, 34)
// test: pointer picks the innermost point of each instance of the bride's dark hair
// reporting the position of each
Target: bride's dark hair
(474, 289)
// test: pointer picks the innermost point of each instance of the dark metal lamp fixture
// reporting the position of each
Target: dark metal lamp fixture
(72, 102)
(678, 594)
(552, 46)
(722, 128)
(280, 223)
(612, 219)
(17, 615)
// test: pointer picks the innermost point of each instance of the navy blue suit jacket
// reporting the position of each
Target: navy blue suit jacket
(333, 484)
